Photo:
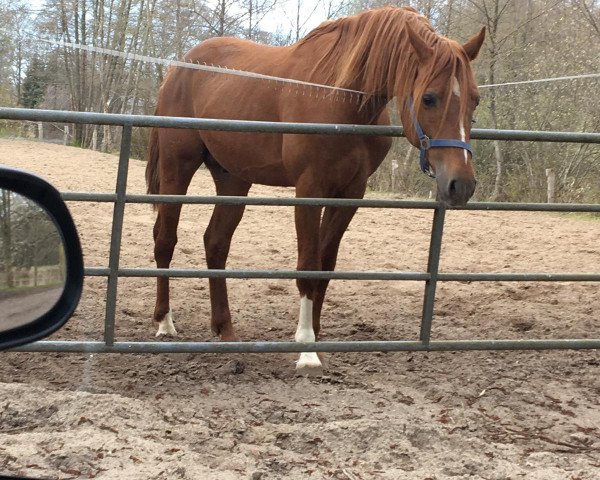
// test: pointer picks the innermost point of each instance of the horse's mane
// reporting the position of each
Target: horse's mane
(371, 52)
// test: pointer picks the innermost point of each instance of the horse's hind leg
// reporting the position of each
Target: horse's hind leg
(177, 166)
(217, 241)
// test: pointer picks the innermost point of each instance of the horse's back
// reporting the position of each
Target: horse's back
(273, 159)
(236, 53)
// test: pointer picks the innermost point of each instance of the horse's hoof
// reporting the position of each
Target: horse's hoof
(166, 327)
(229, 338)
(228, 335)
(309, 365)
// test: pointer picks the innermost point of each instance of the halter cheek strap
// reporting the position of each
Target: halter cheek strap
(425, 143)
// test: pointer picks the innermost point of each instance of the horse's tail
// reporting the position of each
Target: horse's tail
(152, 172)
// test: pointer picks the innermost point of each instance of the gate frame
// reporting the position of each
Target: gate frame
(120, 198)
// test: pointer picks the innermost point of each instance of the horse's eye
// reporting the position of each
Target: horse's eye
(473, 121)
(430, 100)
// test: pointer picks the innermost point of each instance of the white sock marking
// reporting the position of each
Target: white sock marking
(305, 333)
(166, 326)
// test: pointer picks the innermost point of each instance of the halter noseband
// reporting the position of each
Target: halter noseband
(425, 143)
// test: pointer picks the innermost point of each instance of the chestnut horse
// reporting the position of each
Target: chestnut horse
(384, 53)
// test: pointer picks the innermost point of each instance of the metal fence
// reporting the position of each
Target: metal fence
(430, 277)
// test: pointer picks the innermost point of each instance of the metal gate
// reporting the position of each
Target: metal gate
(430, 277)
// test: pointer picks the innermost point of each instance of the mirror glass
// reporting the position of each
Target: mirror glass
(32, 261)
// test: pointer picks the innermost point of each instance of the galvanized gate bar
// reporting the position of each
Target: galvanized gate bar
(96, 272)
(518, 277)
(433, 263)
(198, 123)
(276, 127)
(271, 274)
(532, 207)
(89, 197)
(292, 347)
(431, 277)
(344, 275)
(334, 202)
(115, 237)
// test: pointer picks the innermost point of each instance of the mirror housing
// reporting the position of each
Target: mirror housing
(48, 198)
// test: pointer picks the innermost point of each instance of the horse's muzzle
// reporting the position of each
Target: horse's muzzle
(456, 192)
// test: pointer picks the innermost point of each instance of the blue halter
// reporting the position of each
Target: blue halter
(425, 143)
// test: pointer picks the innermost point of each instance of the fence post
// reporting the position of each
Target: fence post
(435, 249)
(66, 136)
(115, 237)
(40, 130)
(551, 178)
(106, 138)
(95, 138)
(394, 174)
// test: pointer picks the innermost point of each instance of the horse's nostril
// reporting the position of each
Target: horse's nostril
(452, 187)
(461, 189)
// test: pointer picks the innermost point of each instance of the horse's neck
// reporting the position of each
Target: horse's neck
(371, 110)
(309, 54)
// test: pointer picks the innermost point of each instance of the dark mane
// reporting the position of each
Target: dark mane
(371, 52)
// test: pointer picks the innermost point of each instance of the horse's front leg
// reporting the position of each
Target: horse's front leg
(334, 225)
(307, 230)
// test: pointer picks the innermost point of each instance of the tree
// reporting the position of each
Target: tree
(15, 33)
(6, 235)
(34, 85)
(255, 11)
(28, 237)
(224, 19)
(527, 39)
(493, 13)
(591, 14)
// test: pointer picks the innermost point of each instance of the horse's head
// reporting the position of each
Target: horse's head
(438, 114)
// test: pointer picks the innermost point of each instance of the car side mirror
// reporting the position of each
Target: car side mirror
(41, 264)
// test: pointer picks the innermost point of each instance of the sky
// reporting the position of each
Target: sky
(282, 17)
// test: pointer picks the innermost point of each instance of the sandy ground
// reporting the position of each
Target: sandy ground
(482, 415)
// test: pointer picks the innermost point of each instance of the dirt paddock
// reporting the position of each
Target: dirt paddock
(481, 415)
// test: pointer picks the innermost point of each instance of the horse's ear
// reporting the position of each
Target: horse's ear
(473, 45)
(424, 52)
